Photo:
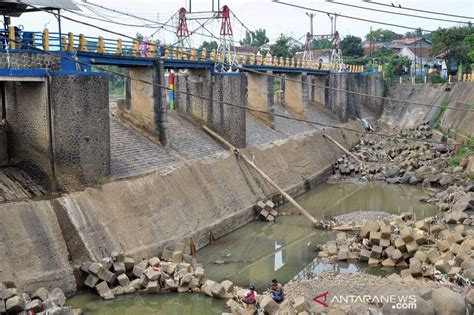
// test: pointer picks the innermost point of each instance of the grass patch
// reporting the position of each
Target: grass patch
(463, 151)
(439, 114)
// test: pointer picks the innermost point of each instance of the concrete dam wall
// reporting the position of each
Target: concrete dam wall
(459, 95)
(144, 215)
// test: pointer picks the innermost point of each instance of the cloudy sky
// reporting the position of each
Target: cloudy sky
(275, 18)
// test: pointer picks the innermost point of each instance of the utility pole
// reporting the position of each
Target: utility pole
(311, 17)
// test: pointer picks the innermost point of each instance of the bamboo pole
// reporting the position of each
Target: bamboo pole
(343, 149)
(265, 176)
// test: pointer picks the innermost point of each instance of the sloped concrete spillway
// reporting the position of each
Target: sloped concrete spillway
(142, 216)
(258, 252)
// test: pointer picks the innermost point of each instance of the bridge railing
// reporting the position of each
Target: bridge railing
(70, 42)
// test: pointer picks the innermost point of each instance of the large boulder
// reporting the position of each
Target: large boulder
(447, 302)
(15, 304)
(269, 305)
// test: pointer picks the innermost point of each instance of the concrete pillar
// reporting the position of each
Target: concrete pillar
(296, 92)
(260, 97)
(139, 103)
(145, 102)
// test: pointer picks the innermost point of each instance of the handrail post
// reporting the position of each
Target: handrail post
(101, 45)
(70, 43)
(11, 37)
(45, 39)
(136, 50)
(118, 51)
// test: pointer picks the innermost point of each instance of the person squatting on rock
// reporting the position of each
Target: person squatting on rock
(276, 289)
(250, 297)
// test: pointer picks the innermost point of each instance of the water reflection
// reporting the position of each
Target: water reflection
(261, 251)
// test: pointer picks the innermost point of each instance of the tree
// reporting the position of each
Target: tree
(469, 40)
(453, 39)
(352, 46)
(209, 45)
(321, 43)
(382, 35)
(255, 39)
(281, 48)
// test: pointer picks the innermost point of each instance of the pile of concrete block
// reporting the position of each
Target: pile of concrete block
(423, 248)
(266, 211)
(42, 300)
(173, 271)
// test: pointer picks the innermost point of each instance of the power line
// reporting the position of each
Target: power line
(286, 79)
(350, 17)
(396, 13)
(418, 10)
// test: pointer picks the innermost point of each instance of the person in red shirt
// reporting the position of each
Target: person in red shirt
(250, 296)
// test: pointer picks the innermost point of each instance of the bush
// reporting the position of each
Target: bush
(436, 78)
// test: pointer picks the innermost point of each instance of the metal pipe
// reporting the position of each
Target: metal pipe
(54, 182)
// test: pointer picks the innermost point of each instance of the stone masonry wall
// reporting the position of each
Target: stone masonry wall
(81, 133)
(29, 60)
(28, 128)
(229, 121)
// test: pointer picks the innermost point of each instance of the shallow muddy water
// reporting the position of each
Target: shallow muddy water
(259, 251)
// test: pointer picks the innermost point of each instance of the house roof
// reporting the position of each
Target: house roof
(317, 53)
(17, 7)
(405, 41)
(423, 52)
(246, 49)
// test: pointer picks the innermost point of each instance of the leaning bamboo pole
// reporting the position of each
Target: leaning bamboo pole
(265, 176)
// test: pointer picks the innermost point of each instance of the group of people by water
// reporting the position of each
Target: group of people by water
(276, 291)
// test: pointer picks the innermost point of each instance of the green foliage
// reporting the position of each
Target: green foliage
(209, 45)
(457, 39)
(255, 39)
(436, 78)
(282, 47)
(382, 35)
(352, 46)
(463, 152)
(469, 40)
(439, 114)
(116, 82)
(321, 44)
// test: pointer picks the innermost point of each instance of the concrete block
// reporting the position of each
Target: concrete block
(154, 262)
(228, 286)
(119, 268)
(137, 271)
(118, 256)
(260, 205)
(170, 284)
(91, 281)
(389, 262)
(354, 255)
(269, 306)
(342, 256)
(264, 214)
(384, 243)
(332, 247)
(400, 244)
(102, 288)
(443, 245)
(152, 287)
(373, 261)
(15, 304)
(374, 238)
(270, 218)
(457, 238)
(442, 265)
(218, 290)
(33, 305)
(185, 267)
(129, 263)
(412, 247)
(94, 268)
(422, 225)
(415, 267)
(144, 281)
(421, 256)
(436, 229)
(57, 296)
(396, 255)
(376, 252)
(385, 232)
(152, 273)
(369, 226)
(136, 284)
(341, 238)
(123, 280)
(402, 264)
(106, 275)
(274, 213)
(41, 294)
(199, 272)
(420, 238)
(106, 263)
(169, 267)
(406, 234)
(300, 304)
(432, 255)
(364, 255)
(269, 205)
